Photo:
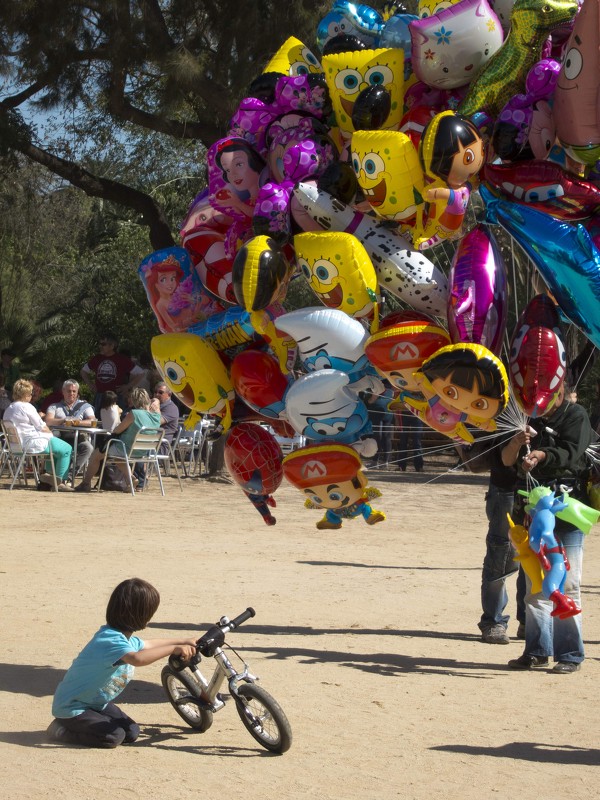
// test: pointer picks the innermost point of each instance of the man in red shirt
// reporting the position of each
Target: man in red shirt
(111, 371)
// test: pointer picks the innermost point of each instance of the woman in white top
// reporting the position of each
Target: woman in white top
(38, 437)
(110, 412)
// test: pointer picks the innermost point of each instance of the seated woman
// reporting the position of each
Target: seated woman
(139, 416)
(38, 437)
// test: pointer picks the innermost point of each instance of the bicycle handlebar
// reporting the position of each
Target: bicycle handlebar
(245, 615)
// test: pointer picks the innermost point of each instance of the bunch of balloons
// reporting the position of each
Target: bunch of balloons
(351, 170)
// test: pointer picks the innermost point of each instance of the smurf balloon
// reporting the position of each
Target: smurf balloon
(321, 408)
(330, 339)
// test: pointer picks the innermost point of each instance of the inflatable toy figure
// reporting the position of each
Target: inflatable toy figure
(327, 338)
(293, 58)
(519, 536)
(551, 554)
(400, 347)
(504, 74)
(176, 295)
(193, 371)
(320, 407)
(339, 271)
(400, 269)
(465, 379)
(331, 477)
(451, 153)
(253, 459)
(575, 512)
(361, 76)
(351, 19)
(577, 95)
(387, 167)
(450, 46)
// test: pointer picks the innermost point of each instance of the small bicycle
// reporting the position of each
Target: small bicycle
(196, 700)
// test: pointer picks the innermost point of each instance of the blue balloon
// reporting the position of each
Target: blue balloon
(564, 255)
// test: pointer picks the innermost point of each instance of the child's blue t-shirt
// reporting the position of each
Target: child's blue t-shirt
(97, 675)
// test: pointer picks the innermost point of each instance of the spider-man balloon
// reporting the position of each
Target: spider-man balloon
(253, 459)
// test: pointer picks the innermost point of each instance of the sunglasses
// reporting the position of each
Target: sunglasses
(160, 391)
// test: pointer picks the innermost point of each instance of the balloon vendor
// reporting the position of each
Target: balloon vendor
(331, 477)
(451, 152)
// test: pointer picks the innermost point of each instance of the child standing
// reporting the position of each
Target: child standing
(82, 705)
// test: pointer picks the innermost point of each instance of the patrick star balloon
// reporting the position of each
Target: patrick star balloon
(576, 107)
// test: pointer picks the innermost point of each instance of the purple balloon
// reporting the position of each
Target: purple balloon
(477, 304)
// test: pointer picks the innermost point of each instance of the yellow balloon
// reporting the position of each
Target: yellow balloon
(338, 270)
(193, 371)
(293, 58)
(389, 173)
(260, 274)
(349, 74)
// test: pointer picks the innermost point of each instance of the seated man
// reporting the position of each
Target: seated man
(169, 413)
(71, 407)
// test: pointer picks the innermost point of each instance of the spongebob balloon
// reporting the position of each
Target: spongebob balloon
(388, 171)
(293, 58)
(338, 270)
(356, 76)
(193, 371)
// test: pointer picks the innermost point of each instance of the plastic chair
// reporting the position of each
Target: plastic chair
(144, 450)
(19, 455)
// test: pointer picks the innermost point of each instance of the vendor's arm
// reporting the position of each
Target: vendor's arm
(510, 452)
(573, 436)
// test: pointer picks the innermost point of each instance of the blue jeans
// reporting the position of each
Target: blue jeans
(551, 636)
(498, 563)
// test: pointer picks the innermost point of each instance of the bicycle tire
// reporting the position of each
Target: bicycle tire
(178, 686)
(263, 717)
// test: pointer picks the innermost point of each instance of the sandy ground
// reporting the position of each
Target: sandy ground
(366, 636)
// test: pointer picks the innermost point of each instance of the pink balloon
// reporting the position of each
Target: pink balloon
(477, 300)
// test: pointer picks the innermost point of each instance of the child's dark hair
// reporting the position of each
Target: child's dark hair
(108, 399)
(132, 605)
(490, 382)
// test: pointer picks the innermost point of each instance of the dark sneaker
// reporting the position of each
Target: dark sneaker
(56, 731)
(495, 635)
(84, 487)
(528, 662)
(566, 667)
(521, 631)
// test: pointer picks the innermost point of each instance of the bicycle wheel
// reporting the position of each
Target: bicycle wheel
(263, 717)
(181, 688)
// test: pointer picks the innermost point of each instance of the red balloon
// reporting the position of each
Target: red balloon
(259, 381)
(254, 458)
(537, 362)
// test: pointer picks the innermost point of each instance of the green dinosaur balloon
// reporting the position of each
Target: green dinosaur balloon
(504, 74)
(576, 513)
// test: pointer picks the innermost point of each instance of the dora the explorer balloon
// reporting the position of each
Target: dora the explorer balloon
(465, 379)
(330, 476)
(451, 153)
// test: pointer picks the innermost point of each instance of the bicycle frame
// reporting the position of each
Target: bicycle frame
(224, 670)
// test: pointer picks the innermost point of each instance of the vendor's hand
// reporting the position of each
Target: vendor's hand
(532, 459)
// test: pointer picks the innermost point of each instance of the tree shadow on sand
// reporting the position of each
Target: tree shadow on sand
(531, 751)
